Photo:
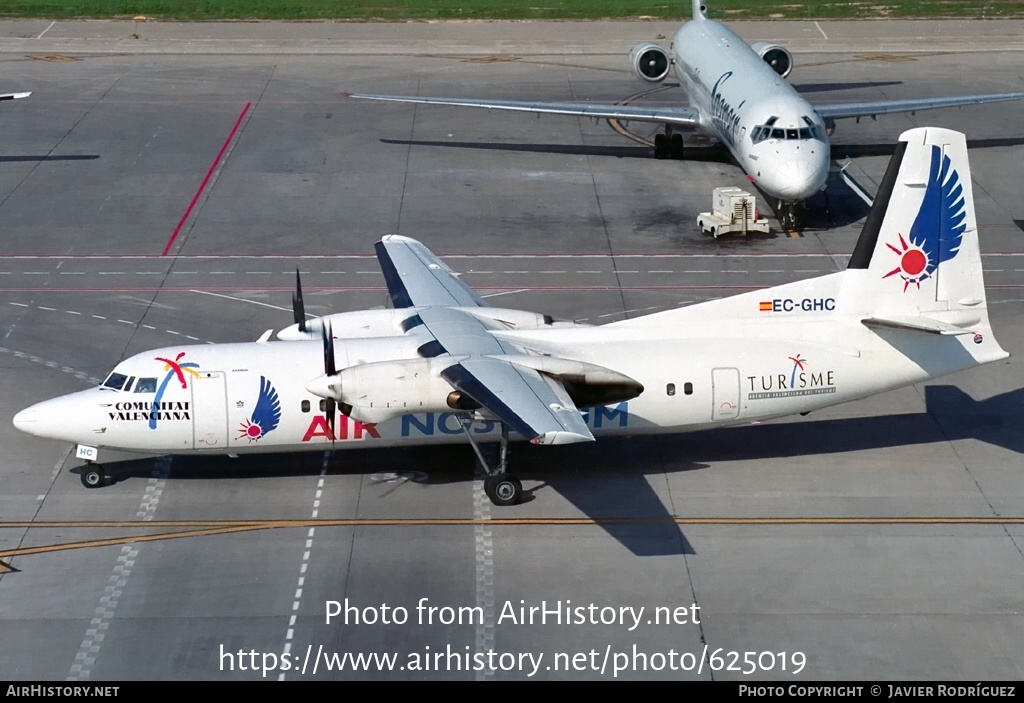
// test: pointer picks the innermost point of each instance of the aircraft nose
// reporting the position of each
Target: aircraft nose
(26, 420)
(799, 179)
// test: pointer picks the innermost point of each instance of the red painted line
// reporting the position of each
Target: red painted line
(209, 175)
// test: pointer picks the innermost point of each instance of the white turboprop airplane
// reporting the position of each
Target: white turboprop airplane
(441, 366)
(738, 95)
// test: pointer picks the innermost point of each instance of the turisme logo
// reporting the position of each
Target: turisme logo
(799, 381)
(266, 416)
(936, 233)
(174, 369)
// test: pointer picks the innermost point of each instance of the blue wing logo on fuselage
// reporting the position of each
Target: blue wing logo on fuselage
(938, 228)
(266, 416)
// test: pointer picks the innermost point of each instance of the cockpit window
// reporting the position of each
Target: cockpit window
(115, 381)
(769, 131)
(146, 385)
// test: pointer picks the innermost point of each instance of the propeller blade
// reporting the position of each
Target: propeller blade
(332, 410)
(298, 308)
(328, 335)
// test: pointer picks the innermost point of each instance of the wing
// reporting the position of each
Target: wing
(267, 413)
(415, 277)
(837, 111)
(535, 405)
(13, 96)
(681, 116)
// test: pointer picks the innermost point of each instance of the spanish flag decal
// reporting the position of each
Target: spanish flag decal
(766, 306)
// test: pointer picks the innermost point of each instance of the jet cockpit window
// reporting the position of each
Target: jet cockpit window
(115, 381)
(768, 131)
(814, 131)
(146, 385)
(762, 132)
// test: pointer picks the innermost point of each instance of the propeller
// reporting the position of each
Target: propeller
(298, 309)
(329, 368)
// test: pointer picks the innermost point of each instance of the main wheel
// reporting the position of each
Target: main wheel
(661, 146)
(503, 489)
(676, 146)
(93, 476)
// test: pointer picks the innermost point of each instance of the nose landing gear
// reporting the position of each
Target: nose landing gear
(93, 475)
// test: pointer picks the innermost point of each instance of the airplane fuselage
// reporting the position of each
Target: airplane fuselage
(205, 399)
(773, 133)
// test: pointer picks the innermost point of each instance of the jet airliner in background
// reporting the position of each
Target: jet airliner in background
(737, 94)
(13, 96)
(442, 366)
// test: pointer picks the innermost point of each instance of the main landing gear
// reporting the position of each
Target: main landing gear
(668, 145)
(500, 486)
(93, 475)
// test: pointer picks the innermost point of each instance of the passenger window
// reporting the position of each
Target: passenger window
(323, 405)
(670, 389)
(305, 406)
(146, 385)
(688, 388)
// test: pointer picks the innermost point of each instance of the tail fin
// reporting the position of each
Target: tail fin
(700, 10)
(917, 263)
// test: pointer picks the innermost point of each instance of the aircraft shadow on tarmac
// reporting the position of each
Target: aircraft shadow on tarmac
(608, 480)
(50, 157)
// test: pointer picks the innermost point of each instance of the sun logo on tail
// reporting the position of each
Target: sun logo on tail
(938, 228)
(266, 416)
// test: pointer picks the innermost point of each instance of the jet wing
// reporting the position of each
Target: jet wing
(837, 111)
(13, 96)
(416, 277)
(681, 116)
(535, 405)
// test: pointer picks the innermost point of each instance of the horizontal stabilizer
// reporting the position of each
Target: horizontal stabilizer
(918, 324)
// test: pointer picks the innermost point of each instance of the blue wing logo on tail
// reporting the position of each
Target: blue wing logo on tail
(266, 416)
(940, 224)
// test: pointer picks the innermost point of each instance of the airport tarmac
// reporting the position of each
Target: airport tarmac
(877, 540)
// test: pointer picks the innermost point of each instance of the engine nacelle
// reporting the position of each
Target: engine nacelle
(775, 55)
(358, 324)
(386, 389)
(650, 62)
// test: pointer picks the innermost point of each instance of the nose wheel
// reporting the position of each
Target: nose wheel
(790, 215)
(93, 475)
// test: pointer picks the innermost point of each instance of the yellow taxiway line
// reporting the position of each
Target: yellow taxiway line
(205, 528)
